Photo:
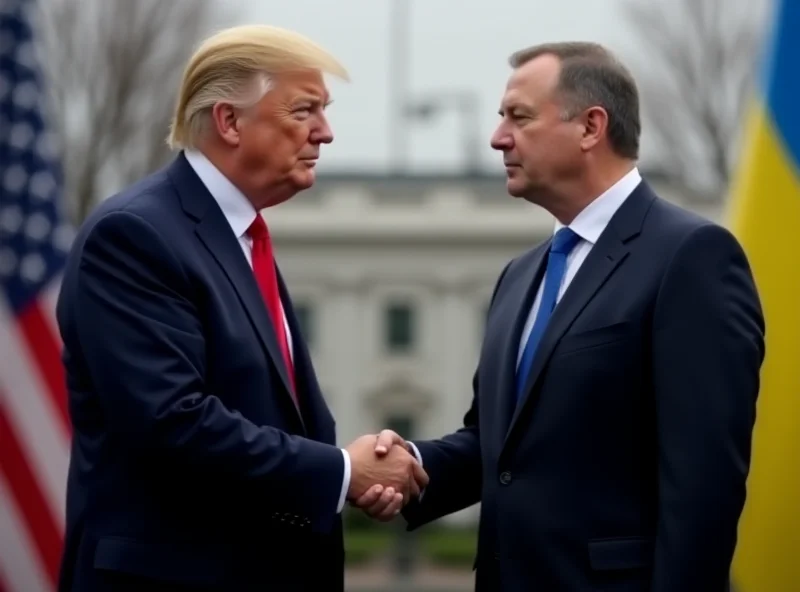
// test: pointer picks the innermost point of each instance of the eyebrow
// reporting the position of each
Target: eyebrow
(314, 100)
(514, 107)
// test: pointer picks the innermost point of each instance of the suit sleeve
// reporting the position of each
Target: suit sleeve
(453, 464)
(142, 338)
(708, 346)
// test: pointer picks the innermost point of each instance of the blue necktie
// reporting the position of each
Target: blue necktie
(563, 242)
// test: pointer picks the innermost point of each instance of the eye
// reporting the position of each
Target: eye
(520, 119)
(302, 112)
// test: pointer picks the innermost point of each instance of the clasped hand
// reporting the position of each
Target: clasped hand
(384, 476)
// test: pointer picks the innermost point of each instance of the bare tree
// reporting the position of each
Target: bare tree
(113, 68)
(696, 78)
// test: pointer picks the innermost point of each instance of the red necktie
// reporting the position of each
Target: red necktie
(267, 279)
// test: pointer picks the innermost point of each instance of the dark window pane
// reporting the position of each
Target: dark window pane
(402, 424)
(306, 319)
(399, 327)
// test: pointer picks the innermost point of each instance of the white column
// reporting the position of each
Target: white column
(343, 343)
(460, 340)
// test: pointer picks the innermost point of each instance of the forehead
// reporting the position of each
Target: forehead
(533, 82)
(307, 83)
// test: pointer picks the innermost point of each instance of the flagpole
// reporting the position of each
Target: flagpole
(398, 83)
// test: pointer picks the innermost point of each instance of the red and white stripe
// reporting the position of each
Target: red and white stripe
(34, 447)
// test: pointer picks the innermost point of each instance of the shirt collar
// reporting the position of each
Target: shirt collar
(236, 208)
(594, 218)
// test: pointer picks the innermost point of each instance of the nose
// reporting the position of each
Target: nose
(501, 139)
(322, 133)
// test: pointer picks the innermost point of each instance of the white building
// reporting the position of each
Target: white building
(391, 278)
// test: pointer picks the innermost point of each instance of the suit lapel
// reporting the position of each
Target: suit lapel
(215, 233)
(319, 421)
(524, 292)
(604, 259)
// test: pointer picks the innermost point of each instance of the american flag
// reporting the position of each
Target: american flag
(34, 238)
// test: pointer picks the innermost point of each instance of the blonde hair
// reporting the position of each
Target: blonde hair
(236, 65)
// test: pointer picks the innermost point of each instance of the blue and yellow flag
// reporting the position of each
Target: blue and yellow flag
(765, 215)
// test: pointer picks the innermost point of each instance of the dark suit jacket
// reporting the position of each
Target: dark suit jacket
(624, 467)
(191, 467)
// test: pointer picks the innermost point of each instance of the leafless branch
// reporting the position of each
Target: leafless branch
(113, 69)
(695, 82)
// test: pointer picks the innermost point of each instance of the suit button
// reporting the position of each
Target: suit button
(505, 477)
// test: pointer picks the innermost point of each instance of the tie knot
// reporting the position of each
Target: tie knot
(564, 241)
(258, 229)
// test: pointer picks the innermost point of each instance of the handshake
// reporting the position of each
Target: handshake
(384, 475)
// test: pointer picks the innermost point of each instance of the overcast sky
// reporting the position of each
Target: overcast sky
(455, 44)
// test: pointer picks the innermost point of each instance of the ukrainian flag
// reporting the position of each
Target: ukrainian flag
(765, 215)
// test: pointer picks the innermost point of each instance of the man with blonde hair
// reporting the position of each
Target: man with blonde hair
(204, 454)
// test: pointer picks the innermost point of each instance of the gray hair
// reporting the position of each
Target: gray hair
(592, 76)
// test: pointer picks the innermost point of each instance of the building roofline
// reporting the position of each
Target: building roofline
(656, 177)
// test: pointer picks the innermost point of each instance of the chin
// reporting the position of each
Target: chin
(516, 189)
(304, 179)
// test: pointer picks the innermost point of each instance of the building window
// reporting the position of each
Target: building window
(399, 327)
(304, 312)
(402, 424)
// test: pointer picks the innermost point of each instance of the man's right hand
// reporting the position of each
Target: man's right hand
(396, 469)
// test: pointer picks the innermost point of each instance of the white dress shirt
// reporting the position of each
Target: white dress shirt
(240, 213)
(588, 225)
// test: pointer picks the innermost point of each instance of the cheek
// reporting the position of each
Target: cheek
(292, 141)
(547, 145)
(283, 145)
(300, 135)
(569, 142)
(256, 138)
(265, 150)
(529, 146)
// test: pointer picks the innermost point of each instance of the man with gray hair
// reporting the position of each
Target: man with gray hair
(609, 435)
(204, 453)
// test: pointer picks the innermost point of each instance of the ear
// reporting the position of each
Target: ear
(226, 121)
(595, 124)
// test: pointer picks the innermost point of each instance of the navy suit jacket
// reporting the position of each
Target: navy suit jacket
(191, 467)
(624, 466)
